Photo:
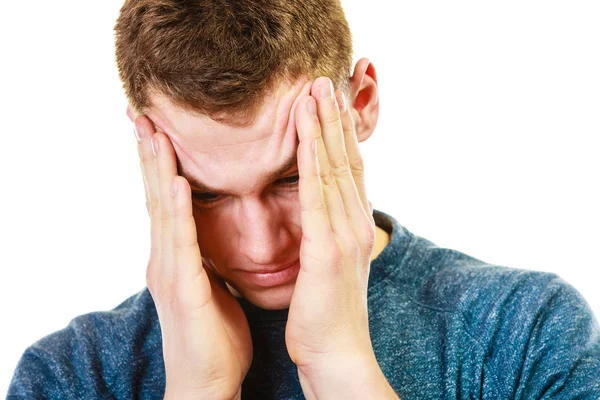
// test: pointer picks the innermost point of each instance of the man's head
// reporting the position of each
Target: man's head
(221, 79)
(221, 57)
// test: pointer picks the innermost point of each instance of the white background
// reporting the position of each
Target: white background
(487, 143)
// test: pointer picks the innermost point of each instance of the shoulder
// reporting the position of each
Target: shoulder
(90, 351)
(454, 281)
(528, 334)
(535, 332)
(113, 329)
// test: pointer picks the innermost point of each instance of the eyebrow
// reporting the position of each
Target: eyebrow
(198, 186)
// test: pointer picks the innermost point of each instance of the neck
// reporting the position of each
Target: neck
(382, 238)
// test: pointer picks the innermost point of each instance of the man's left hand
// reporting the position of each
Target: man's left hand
(327, 332)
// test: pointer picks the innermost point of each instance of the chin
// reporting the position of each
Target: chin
(275, 298)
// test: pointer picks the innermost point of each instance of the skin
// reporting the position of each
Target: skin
(325, 222)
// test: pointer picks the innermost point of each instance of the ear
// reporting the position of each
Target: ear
(363, 98)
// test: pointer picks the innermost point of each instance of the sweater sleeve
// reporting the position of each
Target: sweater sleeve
(563, 350)
(36, 377)
(99, 355)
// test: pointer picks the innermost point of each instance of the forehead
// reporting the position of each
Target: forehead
(229, 158)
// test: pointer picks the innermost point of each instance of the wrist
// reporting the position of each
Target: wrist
(195, 395)
(357, 378)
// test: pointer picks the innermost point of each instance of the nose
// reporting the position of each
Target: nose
(263, 233)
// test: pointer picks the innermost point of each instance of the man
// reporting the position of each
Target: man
(270, 275)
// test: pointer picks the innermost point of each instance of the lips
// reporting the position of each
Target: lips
(270, 277)
(270, 270)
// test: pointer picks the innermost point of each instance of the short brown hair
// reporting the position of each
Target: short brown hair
(220, 57)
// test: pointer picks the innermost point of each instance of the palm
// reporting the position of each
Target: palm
(222, 329)
(214, 333)
(309, 315)
(235, 333)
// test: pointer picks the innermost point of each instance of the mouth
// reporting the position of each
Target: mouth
(276, 277)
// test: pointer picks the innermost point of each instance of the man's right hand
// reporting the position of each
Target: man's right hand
(207, 348)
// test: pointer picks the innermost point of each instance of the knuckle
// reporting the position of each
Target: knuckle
(347, 245)
(368, 237)
(330, 116)
(348, 124)
(341, 172)
(352, 248)
(357, 166)
(327, 178)
(182, 244)
(336, 258)
(341, 164)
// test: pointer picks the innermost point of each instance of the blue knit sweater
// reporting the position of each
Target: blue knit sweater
(443, 326)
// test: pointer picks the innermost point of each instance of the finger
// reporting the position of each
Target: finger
(144, 131)
(322, 212)
(191, 274)
(130, 113)
(166, 170)
(355, 191)
(334, 137)
(353, 156)
(313, 210)
(361, 214)
(337, 180)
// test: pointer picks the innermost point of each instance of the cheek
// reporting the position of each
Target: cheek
(292, 196)
(209, 227)
(293, 207)
(288, 207)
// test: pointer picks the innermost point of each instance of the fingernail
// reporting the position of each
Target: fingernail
(140, 132)
(342, 102)
(327, 90)
(312, 106)
(154, 145)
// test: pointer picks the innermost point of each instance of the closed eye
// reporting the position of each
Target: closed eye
(206, 197)
(289, 180)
